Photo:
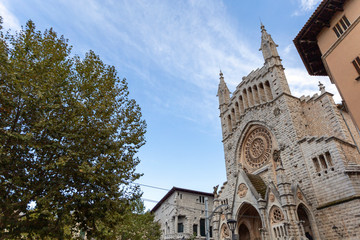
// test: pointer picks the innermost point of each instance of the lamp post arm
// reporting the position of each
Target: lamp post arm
(213, 212)
(207, 220)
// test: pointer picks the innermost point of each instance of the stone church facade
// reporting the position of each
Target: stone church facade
(292, 164)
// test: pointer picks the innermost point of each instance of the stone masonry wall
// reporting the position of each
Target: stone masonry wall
(340, 221)
(188, 208)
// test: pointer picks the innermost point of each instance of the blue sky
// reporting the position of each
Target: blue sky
(171, 53)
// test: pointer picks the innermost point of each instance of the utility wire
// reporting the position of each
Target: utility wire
(199, 209)
(190, 208)
(149, 186)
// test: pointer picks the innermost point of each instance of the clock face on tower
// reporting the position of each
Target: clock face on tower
(257, 147)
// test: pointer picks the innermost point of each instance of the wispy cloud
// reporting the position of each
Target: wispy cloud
(306, 6)
(302, 84)
(176, 49)
(188, 41)
(9, 19)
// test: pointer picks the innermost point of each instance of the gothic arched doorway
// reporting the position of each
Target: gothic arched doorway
(244, 233)
(249, 223)
(304, 218)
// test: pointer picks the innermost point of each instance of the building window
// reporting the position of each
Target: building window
(201, 199)
(202, 227)
(323, 162)
(180, 227)
(316, 164)
(341, 26)
(195, 229)
(356, 63)
(179, 195)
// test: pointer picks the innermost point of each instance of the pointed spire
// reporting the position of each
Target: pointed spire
(268, 46)
(262, 25)
(221, 77)
(223, 91)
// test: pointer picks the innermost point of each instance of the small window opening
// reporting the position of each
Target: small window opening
(229, 123)
(341, 26)
(322, 161)
(202, 227)
(195, 229)
(316, 164)
(180, 227)
(356, 63)
(329, 159)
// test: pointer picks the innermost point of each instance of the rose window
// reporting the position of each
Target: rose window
(258, 147)
(277, 215)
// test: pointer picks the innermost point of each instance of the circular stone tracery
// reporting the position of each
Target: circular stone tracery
(258, 147)
(276, 215)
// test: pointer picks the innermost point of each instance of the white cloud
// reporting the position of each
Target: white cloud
(306, 6)
(188, 41)
(9, 19)
(175, 48)
(301, 83)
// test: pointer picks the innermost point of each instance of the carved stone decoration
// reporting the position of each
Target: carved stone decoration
(215, 191)
(222, 217)
(271, 197)
(242, 190)
(277, 158)
(299, 195)
(277, 112)
(257, 147)
(276, 215)
(225, 232)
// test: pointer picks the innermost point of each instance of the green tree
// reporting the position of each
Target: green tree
(140, 224)
(69, 135)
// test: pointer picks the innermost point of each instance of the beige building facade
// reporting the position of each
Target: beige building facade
(329, 45)
(181, 214)
(292, 164)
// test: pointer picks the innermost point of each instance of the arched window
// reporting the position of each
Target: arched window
(229, 123)
(237, 113)
(268, 91)
(262, 93)
(250, 97)
(242, 108)
(246, 101)
(256, 95)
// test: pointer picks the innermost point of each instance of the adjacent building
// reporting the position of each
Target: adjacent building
(181, 213)
(292, 164)
(329, 45)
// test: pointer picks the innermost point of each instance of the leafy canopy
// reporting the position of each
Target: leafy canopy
(68, 138)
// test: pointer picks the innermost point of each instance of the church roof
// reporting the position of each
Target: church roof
(306, 42)
(258, 183)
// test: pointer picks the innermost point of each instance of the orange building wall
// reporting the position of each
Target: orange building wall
(338, 54)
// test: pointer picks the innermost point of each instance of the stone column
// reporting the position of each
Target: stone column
(176, 224)
(265, 228)
(288, 202)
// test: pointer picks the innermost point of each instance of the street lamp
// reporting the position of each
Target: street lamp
(232, 225)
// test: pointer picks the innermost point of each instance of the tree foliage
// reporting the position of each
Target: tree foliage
(68, 137)
(139, 225)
